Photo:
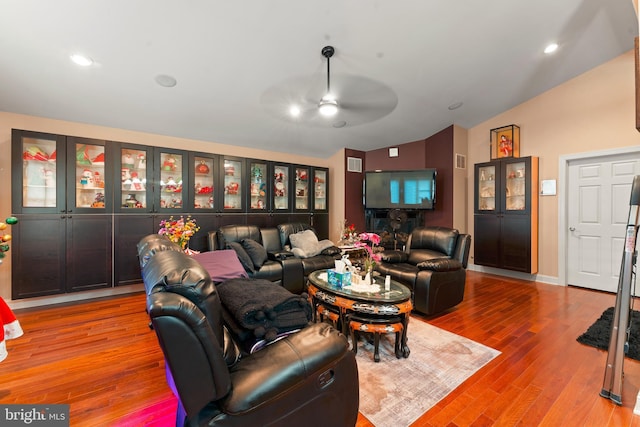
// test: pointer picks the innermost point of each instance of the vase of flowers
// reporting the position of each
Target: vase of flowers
(369, 242)
(179, 230)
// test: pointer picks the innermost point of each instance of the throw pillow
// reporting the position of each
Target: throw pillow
(304, 244)
(243, 256)
(256, 251)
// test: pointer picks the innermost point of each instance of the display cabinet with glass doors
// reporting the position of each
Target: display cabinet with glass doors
(320, 193)
(302, 195)
(203, 176)
(233, 184)
(259, 174)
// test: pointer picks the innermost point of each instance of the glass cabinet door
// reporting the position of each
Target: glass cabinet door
(42, 177)
(319, 190)
(233, 185)
(486, 194)
(134, 189)
(515, 188)
(302, 188)
(281, 182)
(87, 175)
(171, 180)
(258, 185)
(204, 169)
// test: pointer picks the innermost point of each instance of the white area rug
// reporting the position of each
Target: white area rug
(396, 392)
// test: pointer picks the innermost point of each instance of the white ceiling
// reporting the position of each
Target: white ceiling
(398, 65)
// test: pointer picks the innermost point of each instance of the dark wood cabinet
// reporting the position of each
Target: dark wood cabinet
(84, 204)
(506, 214)
(61, 195)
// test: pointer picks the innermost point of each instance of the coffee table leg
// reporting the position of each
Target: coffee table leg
(405, 347)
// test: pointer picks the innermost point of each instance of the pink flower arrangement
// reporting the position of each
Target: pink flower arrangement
(369, 241)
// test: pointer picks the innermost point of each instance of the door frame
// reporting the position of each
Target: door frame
(563, 195)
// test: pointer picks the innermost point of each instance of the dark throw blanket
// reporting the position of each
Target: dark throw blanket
(262, 307)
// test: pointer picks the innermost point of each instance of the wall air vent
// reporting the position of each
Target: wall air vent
(461, 161)
(354, 164)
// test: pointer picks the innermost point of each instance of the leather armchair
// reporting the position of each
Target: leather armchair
(433, 265)
(324, 260)
(289, 382)
(281, 266)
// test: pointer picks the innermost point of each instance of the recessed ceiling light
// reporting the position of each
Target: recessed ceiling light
(551, 48)
(83, 61)
(294, 111)
(455, 106)
(165, 80)
(340, 124)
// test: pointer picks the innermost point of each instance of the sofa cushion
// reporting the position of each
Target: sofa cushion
(305, 244)
(243, 256)
(256, 252)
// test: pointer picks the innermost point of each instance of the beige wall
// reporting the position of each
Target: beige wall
(9, 121)
(592, 112)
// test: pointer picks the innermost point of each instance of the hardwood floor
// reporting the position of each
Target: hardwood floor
(102, 359)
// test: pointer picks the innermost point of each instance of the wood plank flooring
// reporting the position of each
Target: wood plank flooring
(101, 358)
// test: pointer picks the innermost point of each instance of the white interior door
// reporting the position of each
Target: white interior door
(599, 190)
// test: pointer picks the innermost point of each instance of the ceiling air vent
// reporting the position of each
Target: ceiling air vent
(354, 164)
(461, 161)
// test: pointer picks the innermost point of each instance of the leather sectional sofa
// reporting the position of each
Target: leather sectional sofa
(309, 377)
(433, 265)
(280, 265)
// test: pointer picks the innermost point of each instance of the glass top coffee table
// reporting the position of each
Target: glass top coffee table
(375, 310)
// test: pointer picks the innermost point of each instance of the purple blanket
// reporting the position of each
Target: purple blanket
(222, 265)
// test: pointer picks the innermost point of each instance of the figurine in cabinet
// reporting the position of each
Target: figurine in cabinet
(86, 179)
(232, 188)
(202, 168)
(136, 183)
(127, 161)
(98, 202)
(506, 146)
(169, 164)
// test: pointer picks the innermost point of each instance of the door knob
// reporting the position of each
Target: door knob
(572, 229)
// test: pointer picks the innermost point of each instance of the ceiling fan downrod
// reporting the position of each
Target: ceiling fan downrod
(328, 106)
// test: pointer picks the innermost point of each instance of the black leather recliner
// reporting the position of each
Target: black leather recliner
(307, 378)
(281, 266)
(311, 264)
(433, 265)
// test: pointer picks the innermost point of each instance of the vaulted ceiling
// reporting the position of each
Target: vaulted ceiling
(399, 68)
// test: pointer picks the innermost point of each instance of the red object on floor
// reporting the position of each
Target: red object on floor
(10, 328)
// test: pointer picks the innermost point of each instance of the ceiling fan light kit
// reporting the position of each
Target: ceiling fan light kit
(328, 107)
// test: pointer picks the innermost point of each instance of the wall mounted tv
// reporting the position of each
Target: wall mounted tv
(410, 189)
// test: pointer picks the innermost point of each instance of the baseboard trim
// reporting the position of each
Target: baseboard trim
(72, 297)
(515, 274)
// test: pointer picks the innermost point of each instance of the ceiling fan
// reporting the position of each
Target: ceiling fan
(340, 100)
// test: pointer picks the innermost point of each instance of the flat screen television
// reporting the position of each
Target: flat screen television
(410, 189)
